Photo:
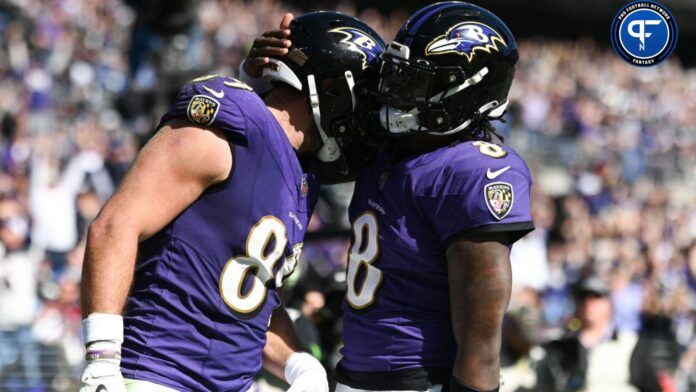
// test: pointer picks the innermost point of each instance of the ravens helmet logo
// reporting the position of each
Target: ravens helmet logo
(465, 39)
(360, 42)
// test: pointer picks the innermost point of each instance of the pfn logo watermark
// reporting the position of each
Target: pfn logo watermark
(644, 33)
(639, 31)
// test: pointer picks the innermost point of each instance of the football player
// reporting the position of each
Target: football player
(435, 214)
(193, 247)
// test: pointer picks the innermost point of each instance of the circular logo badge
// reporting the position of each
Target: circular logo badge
(644, 33)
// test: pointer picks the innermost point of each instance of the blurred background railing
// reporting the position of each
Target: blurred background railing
(612, 149)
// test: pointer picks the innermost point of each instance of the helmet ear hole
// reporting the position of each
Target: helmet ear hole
(328, 86)
(434, 119)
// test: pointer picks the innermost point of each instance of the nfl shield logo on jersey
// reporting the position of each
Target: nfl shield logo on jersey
(202, 109)
(499, 198)
(304, 186)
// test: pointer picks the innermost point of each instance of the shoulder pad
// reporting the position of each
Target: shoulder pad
(217, 101)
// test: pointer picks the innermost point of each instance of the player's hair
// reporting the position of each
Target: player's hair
(481, 129)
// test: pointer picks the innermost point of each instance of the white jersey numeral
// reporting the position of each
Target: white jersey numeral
(363, 253)
(256, 266)
(490, 149)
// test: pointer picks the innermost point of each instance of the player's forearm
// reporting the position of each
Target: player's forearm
(480, 285)
(479, 370)
(276, 354)
(107, 272)
(281, 343)
(478, 335)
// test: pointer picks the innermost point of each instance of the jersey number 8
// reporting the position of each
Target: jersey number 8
(363, 253)
(490, 149)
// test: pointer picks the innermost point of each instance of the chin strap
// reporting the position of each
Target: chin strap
(475, 79)
(491, 110)
(400, 122)
(329, 150)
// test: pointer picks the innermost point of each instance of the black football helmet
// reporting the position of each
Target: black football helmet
(330, 52)
(450, 64)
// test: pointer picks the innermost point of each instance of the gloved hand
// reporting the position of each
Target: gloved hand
(102, 374)
(103, 334)
(304, 373)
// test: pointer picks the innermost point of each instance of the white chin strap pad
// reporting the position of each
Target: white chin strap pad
(329, 151)
(499, 111)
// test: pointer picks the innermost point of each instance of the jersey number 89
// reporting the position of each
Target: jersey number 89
(363, 253)
(259, 262)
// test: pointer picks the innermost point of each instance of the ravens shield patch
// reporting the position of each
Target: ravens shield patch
(499, 198)
(202, 109)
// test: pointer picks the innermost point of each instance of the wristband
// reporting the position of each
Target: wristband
(102, 327)
(102, 354)
(260, 85)
(299, 363)
(456, 386)
(104, 351)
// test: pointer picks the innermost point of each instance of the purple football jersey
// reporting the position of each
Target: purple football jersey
(404, 216)
(205, 286)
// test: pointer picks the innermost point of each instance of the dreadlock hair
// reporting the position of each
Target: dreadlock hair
(481, 129)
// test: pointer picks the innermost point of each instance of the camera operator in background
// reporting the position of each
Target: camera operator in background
(592, 355)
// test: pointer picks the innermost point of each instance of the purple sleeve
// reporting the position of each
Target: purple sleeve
(483, 199)
(213, 102)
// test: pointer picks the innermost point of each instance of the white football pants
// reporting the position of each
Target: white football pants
(145, 386)
(344, 388)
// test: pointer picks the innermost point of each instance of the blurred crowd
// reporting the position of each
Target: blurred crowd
(607, 281)
(613, 149)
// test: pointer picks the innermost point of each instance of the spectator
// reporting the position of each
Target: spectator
(19, 268)
(53, 202)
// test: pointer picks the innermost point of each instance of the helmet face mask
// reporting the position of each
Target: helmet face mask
(413, 93)
(450, 65)
(330, 52)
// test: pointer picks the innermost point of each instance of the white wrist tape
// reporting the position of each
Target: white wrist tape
(299, 363)
(102, 326)
(261, 85)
